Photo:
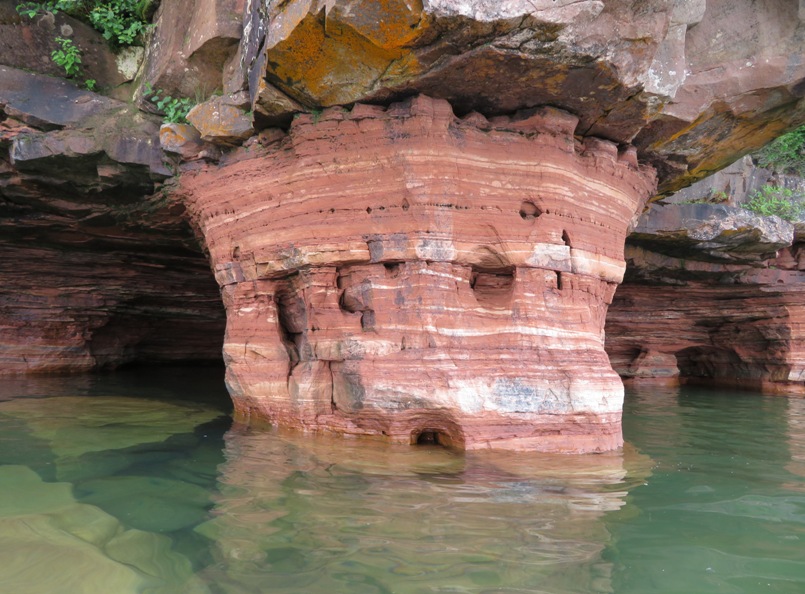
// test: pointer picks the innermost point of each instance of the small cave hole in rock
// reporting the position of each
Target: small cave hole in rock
(392, 269)
(529, 211)
(430, 437)
(405, 205)
(368, 210)
(236, 253)
(697, 364)
(559, 281)
(493, 287)
(566, 238)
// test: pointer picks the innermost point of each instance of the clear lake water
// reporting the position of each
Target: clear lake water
(138, 482)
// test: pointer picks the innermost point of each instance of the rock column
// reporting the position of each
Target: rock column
(403, 273)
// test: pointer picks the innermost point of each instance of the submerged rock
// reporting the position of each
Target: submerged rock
(74, 427)
(51, 543)
(148, 503)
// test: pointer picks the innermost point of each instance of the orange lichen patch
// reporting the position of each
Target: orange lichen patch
(388, 24)
(337, 57)
(176, 135)
(743, 135)
(402, 70)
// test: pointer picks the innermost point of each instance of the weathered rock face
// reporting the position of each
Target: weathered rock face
(390, 270)
(27, 43)
(405, 273)
(193, 45)
(94, 272)
(713, 293)
(692, 84)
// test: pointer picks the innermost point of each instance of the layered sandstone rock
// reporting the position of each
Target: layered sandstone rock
(712, 294)
(96, 271)
(401, 272)
(390, 269)
(693, 84)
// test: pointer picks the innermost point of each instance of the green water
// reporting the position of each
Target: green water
(137, 482)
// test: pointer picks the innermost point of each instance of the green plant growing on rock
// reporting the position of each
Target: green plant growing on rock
(68, 56)
(174, 110)
(785, 154)
(774, 201)
(719, 197)
(31, 9)
(121, 22)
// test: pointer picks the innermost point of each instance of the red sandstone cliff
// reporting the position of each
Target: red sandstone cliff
(423, 266)
(714, 294)
(95, 269)
(399, 271)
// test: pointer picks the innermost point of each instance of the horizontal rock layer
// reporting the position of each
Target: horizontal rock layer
(747, 336)
(402, 273)
(96, 269)
(718, 300)
(693, 84)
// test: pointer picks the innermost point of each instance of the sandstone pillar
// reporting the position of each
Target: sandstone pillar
(408, 274)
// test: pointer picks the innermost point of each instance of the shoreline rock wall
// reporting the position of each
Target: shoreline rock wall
(713, 294)
(386, 268)
(400, 271)
(97, 270)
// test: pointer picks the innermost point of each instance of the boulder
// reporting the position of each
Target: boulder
(192, 46)
(221, 120)
(46, 102)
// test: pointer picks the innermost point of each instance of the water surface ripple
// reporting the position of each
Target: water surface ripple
(138, 483)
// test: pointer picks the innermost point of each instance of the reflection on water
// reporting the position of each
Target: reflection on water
(332, 515)
(134, 483)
